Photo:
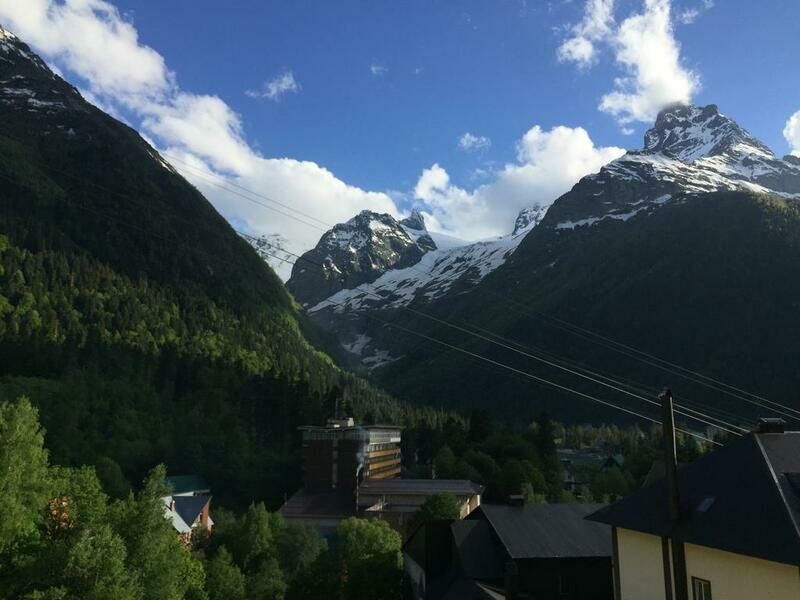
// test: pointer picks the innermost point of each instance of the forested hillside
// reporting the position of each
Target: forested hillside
(710, 282)
(137, 320)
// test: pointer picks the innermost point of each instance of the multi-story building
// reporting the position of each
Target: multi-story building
(341, 454)
(354, 470)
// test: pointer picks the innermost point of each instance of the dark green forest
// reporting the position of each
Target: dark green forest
(63, 538)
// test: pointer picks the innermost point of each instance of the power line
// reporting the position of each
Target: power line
(703, 418)
(435, 340)
(197, 170)
(700, 419)
(659, 363)
(707, 381)
(676, 369)
(541, 380)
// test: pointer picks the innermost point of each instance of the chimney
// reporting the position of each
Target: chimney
(771, 425)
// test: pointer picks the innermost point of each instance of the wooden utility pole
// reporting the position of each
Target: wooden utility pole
(679, 585)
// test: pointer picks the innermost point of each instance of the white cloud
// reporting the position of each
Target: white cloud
(548, 164)
(203, 132)
(688, 15)
(470, 142)
(92, 39)
(647, 50)
(378, 70)
(204, 126)
(645, 47)
(792, 133)
(276, 88)
(598, 19)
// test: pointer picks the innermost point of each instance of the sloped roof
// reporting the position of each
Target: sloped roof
(190, 507)
(548, 530)
(183, 484)
(477, 551)
(177, 522)
(739, 498)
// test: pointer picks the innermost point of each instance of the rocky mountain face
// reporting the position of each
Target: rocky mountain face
(702, 215)
(375, 265)
(356, 252)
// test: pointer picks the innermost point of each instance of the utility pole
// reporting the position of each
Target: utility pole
(678, 584)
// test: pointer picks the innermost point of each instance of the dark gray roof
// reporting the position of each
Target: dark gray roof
(190, 507)
(419, 486)
(548, 530)
(739, 498)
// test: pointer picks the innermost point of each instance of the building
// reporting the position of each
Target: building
(736, 535)
(542, 551)
(351, 470)
(395, 500)
(341, 454)
(187, 507)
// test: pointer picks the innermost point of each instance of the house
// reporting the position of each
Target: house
(187, 507)
(736, 535)
(542, 551)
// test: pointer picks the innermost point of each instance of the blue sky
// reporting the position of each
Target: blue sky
(377, 94)
(488, 67)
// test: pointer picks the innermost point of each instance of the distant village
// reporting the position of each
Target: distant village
(670, 539)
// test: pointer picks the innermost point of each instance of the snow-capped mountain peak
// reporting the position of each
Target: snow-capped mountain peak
(357, 252)
(691, 150)
(689, 133)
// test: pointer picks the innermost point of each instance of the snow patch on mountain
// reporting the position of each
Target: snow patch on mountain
(432, 277)
(690, 150)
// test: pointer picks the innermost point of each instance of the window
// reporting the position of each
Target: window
(701, 589)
